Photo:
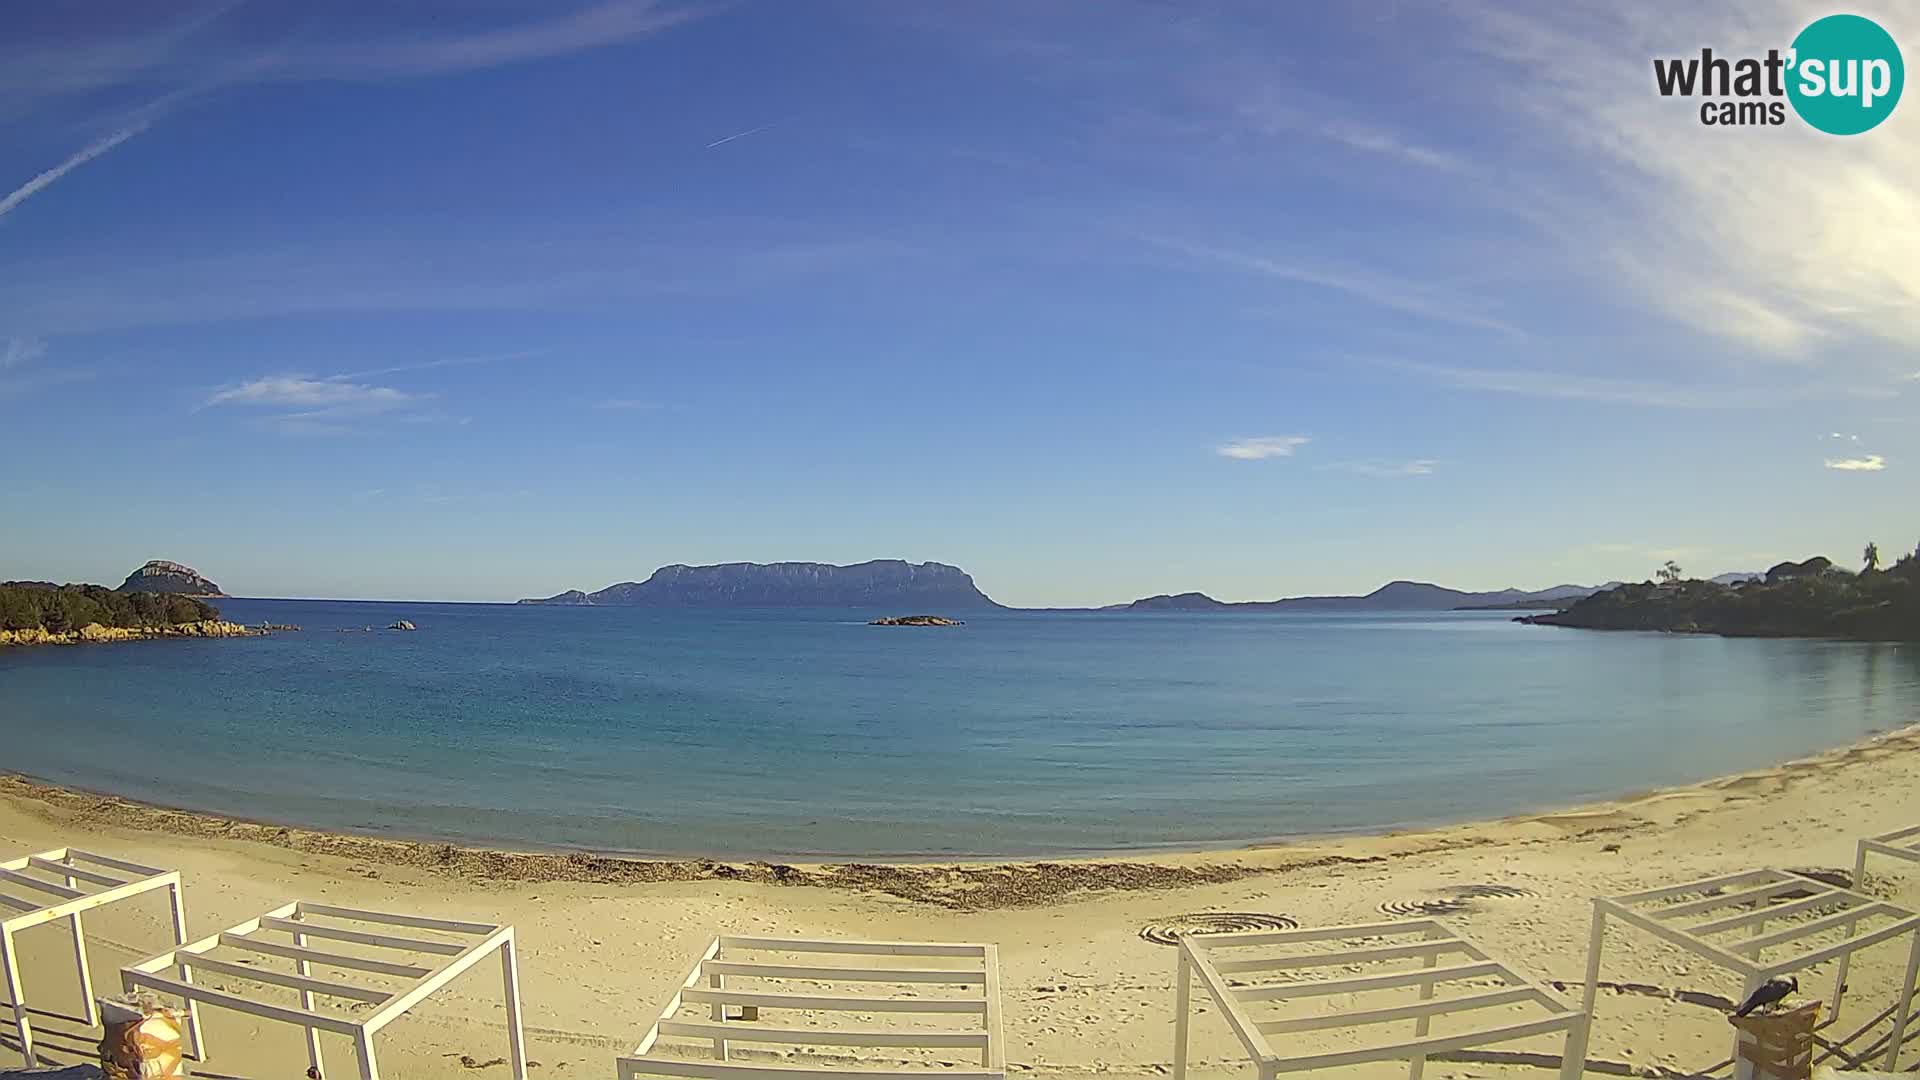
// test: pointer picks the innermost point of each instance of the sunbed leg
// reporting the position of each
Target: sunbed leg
(1423, 1025)
(516, 1037)
(20, 1022)
(186, 973)
(368, 1069)
(1840, 969)
(1573, 1059)
(88, 1009)
(1905, 1011)
(1182, 1000)
(1575, 1055)
(302, 967)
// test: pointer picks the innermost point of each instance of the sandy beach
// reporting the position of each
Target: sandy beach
(604, 941)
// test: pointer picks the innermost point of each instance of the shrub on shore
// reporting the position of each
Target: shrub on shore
(70, 608)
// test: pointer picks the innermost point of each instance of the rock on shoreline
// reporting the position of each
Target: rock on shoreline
(94, 633)
(917, 620)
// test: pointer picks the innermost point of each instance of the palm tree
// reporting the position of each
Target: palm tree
(1872, 557)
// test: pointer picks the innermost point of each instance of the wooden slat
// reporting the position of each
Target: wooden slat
(1677, 936)
(17, 903)
(361, 937)
(134, 868)
(1237, 938)
(728, 1070)
(208, 996)
(1356, 1018)
(1805, 929)
(1701, 885)
(1424, 1047)
(1349, 956)
(768, 1000)
(1749, 896)
(1281, 991)
(1805, 960)
(1897, 834)
(441, 976)
(315, 956)
(1243, 1026)
(418, 922)
(673, 1003)
(32, 882)
(739, 1032)
(79, 872)
(758, 970)
(1777, 911)
(873, 948)
(282, 978)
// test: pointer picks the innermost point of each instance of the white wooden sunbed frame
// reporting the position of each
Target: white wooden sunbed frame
(1229, 981)
(462, 945)
(733, 957)
(1666, 914)
(76, 881)
(1898, 844)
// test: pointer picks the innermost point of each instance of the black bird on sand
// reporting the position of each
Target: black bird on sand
(1774, 989)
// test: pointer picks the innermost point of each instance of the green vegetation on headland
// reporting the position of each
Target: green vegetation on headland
(40, 613)
(1807, 599)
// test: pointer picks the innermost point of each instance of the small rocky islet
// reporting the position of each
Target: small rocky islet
(917, 620)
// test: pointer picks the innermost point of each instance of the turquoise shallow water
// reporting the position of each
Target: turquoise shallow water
(795, 733)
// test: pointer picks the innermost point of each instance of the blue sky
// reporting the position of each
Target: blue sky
(485, 300)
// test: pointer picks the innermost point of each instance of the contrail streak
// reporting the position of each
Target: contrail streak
(738, 135)
(34, 186)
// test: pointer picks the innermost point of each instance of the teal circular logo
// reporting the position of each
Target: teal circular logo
(1846, 74)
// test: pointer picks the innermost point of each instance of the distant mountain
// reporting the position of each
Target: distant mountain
(162, 576)
(879, 583)
(1393, 596)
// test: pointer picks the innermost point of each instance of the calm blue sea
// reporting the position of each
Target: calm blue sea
(795, 733)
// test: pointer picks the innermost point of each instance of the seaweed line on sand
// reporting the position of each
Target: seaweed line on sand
(972, 887)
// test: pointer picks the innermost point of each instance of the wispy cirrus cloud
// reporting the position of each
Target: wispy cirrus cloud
(1807, 267)
(1386, 469)
(1262, 447)
(1574, 386)
(1381, 290)
(179, 50)
(1868, 463)
(279, 391)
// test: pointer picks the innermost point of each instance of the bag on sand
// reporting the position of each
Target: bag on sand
(141, 1040)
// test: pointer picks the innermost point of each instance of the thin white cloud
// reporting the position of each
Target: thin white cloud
(1379, 141)
(51, 176)
(331, 395)
(20, 351)
(1571, 386)
(1263, 447)
(627, 404)
(1387, 469)
(452, 361)
(1870, 463)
